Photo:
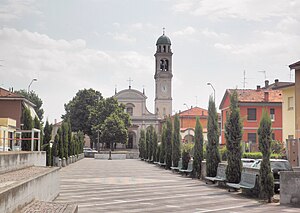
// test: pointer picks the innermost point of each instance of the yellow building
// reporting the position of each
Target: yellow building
(288, 111)
(7, 133)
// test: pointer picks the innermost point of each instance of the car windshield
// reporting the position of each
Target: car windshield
(281, 165)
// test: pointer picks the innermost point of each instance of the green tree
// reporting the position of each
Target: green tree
(168, 138)
(158, 152)
(198, 149)
(176, 141)
(142, 144)
(78, 110)
(113, 131)
(47, 132)
(155, 159)
(35, 99)
(266, 178)
(233, 135)
(212, 148)
(37, 125)
(162, 153)
(103, 109)
(55, 146)
(147, 144)
(65, 138)
(60, 144)
(149, 138)
(27, 125)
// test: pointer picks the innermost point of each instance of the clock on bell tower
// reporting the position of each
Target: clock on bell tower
(163, 77)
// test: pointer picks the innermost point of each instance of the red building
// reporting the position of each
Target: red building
(251, 104)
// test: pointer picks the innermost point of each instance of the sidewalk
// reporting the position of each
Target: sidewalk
(136, 186)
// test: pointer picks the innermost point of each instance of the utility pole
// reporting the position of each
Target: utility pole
(244, 80)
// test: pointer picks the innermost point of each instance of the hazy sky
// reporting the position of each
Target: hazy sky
(75, 44)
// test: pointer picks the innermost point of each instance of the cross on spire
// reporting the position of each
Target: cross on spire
(164, 30)
(130, 81)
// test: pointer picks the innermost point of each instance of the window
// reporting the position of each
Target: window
(164, 111)
(290, 103)
(129, 110)
(251, 114)
(252, 137)
(272, 114)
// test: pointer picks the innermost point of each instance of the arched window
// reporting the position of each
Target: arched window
(164, 65)
(165, 49)
(129, 110)
(164, 111)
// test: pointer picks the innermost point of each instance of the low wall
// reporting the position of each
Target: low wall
(290, 188)
(11, 161)
(114, 156)
(44, 187)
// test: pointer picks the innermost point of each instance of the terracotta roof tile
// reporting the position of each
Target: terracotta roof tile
(196, 111)
(5, 93)
(250, 95)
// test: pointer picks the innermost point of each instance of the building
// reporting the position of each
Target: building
(135, 101)
(251, 103)
(187, 120)
(288, 110)
(12, 105)
(7, 134)
(294, 145)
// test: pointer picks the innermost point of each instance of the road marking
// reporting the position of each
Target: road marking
(221, 209)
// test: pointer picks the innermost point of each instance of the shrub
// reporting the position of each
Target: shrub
(253, 155)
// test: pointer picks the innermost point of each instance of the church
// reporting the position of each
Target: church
(135, 101)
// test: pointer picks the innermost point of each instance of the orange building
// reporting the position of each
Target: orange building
(188, 123)
(251, 104)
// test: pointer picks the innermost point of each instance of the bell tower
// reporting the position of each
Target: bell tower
(163, 77)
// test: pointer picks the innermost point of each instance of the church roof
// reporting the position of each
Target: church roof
(163, 40)
(130, 94)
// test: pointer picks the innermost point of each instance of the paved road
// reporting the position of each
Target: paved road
(136, 186)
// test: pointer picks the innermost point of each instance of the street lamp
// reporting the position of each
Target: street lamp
(188, 121)
(30, 84)
(213, 90)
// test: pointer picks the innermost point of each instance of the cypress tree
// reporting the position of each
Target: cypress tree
(47, 133)
(150, 142)
(37, 125)
(168, 143)
(142, 144)
(212, 149)
(266, 178)
(176, 141)
(155, 159)
(198, 149)
(65, 139)
(163, 145)
(158, 152)
(233, 135)
(60, 143)
(27, 125)
(147, 144)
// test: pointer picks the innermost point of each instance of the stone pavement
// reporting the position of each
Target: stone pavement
(136, 186)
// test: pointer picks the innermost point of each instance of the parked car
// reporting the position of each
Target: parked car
(277, 165)
(247, 162)
(89, 152)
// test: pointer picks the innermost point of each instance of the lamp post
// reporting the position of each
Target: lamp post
(30, 84)
(209, 84)
(188, 122)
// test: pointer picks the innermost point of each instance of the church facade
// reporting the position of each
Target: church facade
(135, 101)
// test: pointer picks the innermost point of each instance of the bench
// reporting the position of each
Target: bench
(188, 170)
(177, 168)
(220, 177)
(248, 181)
(162, 164)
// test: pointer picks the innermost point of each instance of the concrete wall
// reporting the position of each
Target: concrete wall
(44, 187)
(290, 188)
(12, 161)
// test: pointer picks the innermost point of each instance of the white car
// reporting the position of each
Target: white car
(247, 162)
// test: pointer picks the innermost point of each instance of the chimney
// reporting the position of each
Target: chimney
(266, 83)
(276, 82)
(266, 96)
(258, 87)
